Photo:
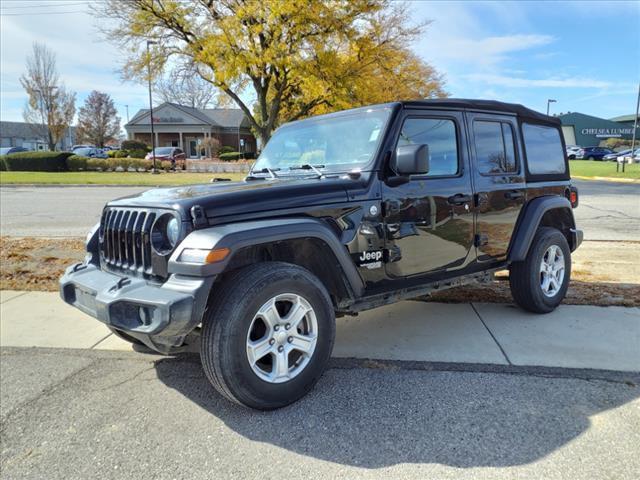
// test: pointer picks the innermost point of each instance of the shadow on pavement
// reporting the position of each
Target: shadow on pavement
(374, 418)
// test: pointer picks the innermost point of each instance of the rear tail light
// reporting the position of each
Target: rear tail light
(572, 196)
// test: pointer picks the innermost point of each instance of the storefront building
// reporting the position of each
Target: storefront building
(185, 127)
(587, 131)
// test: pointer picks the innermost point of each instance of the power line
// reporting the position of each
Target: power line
(39, 13)
(46, 5)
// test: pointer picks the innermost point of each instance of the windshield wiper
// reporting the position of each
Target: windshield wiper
(271, 171)
(308, 166)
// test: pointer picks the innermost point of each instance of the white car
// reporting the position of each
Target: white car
(572, 151)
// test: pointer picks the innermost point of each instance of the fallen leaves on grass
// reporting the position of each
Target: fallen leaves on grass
(36, 263)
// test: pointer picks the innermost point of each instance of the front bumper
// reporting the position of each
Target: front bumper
(159, 315)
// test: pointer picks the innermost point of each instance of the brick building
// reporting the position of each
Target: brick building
(185, 127)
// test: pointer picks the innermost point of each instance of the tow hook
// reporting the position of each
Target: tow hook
(120, 283)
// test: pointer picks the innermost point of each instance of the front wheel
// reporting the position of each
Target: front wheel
(267, 335)
(540, 282)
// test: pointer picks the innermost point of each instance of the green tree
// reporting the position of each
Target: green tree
(98, 120)
(293, 58)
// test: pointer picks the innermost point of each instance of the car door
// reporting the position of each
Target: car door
(499, 182)
(429, 220)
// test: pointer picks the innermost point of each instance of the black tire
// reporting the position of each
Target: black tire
(525, 276)
(126, 337)
(226, 324)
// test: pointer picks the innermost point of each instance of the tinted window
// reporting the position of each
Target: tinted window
(440, 135)
(494, 147)
(544, 149)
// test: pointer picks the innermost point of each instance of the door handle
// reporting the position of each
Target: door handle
(459, 199)
(513, 195)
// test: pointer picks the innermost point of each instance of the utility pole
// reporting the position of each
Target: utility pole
(127, 107)
(550, 101)
(153, 135)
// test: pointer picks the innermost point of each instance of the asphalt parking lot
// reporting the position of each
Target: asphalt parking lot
(607, 211)
(79, 414)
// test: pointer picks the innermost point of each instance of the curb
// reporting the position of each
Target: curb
(608, 179)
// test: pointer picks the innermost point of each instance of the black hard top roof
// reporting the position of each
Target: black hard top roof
(484, 105)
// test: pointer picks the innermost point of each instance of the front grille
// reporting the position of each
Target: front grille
(125, 239)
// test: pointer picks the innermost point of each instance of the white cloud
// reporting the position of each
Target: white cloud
(518, 82)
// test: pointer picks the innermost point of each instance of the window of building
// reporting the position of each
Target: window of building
(174, 143)
(544, 149)
(440, 135)
(495, 150)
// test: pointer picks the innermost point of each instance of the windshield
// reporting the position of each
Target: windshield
(337, 143)
(163, 151)
(83, 151)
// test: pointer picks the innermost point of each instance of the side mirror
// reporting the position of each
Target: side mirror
(411, 160)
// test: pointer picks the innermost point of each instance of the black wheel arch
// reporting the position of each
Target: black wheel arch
(307, 242)
(546, 211)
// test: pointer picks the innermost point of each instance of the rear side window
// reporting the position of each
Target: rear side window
(440, 135)
(495, 151)
(544, 149)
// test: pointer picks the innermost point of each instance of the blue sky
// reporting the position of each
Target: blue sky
(586, 55)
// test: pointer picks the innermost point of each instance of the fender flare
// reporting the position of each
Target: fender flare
(236, 236)
(530, 221)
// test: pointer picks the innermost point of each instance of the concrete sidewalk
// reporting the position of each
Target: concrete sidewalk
(573, 336)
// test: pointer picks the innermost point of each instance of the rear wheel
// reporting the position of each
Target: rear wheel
(540, 282)
(267, 335)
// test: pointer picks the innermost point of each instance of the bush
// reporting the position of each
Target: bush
(121, 154)
(3, 167)
(37, 161)
(76, 163)
(140, 163)
(98, 164)
(137, 153)
(134, 145)
(226, 149)
(229, 156)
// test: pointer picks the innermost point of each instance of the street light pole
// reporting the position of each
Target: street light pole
(550, 101)
(153, 135)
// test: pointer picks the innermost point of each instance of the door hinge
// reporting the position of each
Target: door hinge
(481, 239)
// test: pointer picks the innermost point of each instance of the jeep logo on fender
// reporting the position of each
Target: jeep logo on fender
(369, 259)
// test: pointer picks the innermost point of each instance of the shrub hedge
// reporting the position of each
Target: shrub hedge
(226, 149)
(230, 156)
(36, 161)
(134, 145)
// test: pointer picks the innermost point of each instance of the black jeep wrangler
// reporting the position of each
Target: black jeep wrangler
(341, 213)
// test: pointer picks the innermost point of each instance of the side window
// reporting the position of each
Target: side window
(495, 151)
(440, 135)
(544, 149)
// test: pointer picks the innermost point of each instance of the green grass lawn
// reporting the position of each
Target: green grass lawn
(112, 178)
(591, 168)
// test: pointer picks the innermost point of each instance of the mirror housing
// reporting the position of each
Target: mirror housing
(411, 160)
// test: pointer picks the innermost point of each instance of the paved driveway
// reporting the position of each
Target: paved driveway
(608, 211)
(74, 414)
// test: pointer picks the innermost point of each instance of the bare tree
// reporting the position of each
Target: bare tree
(98, 120)
(50, 104)
(185, 86)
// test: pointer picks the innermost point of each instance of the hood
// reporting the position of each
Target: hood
(233, 198)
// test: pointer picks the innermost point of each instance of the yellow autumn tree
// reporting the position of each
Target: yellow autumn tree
(278, 60)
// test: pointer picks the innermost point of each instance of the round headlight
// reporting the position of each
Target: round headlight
(173, 231)
(165, 234)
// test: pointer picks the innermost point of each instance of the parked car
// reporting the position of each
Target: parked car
(572, 151)
(613, 157)
(175, 155)
(8, 150)
(387, 211)
(593, 153)
(90, 152)
(76, 147)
